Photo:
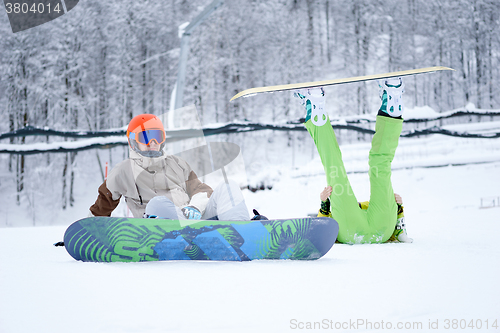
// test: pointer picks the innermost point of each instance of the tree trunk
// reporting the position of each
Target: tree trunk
(64, 197)
(144, 79)
(327, 13)
(479, 55)
(72, 179)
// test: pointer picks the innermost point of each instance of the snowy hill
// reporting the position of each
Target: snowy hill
(103, 62)
(448, 277)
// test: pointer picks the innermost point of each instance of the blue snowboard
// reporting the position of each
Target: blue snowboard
(109, 239)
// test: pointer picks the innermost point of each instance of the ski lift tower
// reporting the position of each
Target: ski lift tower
(185, 34)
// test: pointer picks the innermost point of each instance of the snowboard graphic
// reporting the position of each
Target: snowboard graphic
(109, 239)
(293, 86)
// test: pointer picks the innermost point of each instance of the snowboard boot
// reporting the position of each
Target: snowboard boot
(313, 99)
(391, 93)
(400, 235)
(258, 216)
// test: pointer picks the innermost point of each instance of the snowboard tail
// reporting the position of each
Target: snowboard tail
(293, 86)
(110, 239)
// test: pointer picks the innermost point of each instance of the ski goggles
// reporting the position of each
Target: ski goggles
(145, 137)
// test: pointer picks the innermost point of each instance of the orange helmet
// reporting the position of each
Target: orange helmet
(144, 129)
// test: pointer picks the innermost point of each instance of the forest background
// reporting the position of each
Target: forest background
(107, 61)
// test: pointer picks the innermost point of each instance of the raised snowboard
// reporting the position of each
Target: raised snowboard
(293, 86)
(108, 239)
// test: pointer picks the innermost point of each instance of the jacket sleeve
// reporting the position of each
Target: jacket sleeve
(322, 215)
(104, 204)
(195, 186)
(401, 212)
(364, 204)
(198, 192)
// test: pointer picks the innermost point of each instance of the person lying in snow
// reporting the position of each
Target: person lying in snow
(379, 221)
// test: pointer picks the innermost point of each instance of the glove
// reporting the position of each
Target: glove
(325, 207)
(191, 213)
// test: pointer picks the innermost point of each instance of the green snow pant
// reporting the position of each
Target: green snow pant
(377, 223)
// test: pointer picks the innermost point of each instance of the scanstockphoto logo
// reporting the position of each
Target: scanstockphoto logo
(26, 14)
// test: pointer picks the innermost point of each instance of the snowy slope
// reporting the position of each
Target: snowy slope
(450, 272)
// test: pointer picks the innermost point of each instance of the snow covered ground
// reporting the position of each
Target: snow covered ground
(446, 279)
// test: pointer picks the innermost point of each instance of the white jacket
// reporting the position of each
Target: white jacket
(140, 178)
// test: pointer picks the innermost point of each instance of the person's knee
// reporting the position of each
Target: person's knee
(231, 183)
(161, 207)
(230, 188)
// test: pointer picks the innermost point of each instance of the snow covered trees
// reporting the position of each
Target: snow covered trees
(106, 61)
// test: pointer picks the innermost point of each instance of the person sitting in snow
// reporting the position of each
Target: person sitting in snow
(155, 184)
(379, 221)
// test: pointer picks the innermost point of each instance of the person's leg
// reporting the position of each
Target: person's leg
(382, 211)
(227, 203)
(345, 209)
(163, 208)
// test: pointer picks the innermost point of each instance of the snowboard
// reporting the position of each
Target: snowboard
(112, 239)
(293, 86)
